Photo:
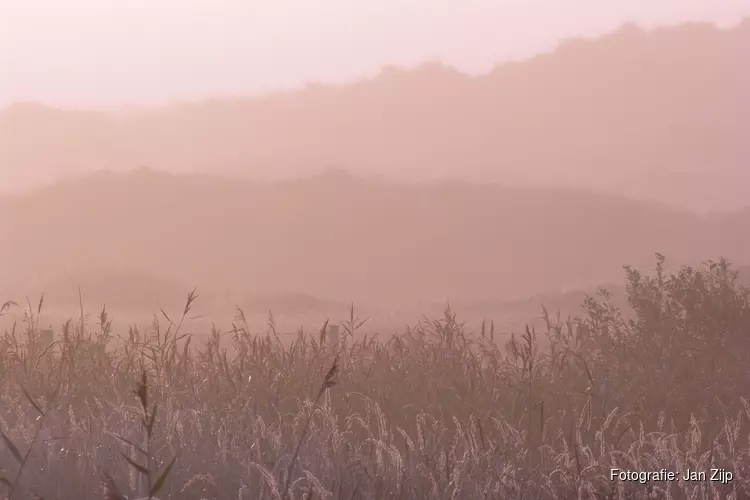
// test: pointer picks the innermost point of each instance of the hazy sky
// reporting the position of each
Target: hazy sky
(106, 52)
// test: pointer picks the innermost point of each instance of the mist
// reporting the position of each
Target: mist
(474, 235)
(84, 53)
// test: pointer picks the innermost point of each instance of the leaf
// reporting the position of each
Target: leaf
(162, 478)
(6, 306)
(332, 371)
(141, 392)
(12, 447)
(127, 441)
(151, 421)
(164, 313)
(33, 403)
(135, 464)
(110, 490)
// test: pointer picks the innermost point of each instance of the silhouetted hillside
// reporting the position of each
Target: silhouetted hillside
(348, 238)
(658, 115)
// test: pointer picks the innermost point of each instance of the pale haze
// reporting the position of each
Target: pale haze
(468, 151)
(113, 53)
(374, 249)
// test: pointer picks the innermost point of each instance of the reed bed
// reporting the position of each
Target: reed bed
(434, 412)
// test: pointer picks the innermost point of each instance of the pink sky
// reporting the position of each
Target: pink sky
(110, 53)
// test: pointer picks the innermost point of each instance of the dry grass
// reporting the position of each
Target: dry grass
(433, 413)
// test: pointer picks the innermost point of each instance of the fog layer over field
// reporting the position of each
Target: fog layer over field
(336, 292)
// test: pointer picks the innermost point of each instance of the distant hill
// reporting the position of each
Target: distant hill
(348, 238)
(657, 114)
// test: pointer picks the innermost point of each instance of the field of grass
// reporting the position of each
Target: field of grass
(434, 412)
